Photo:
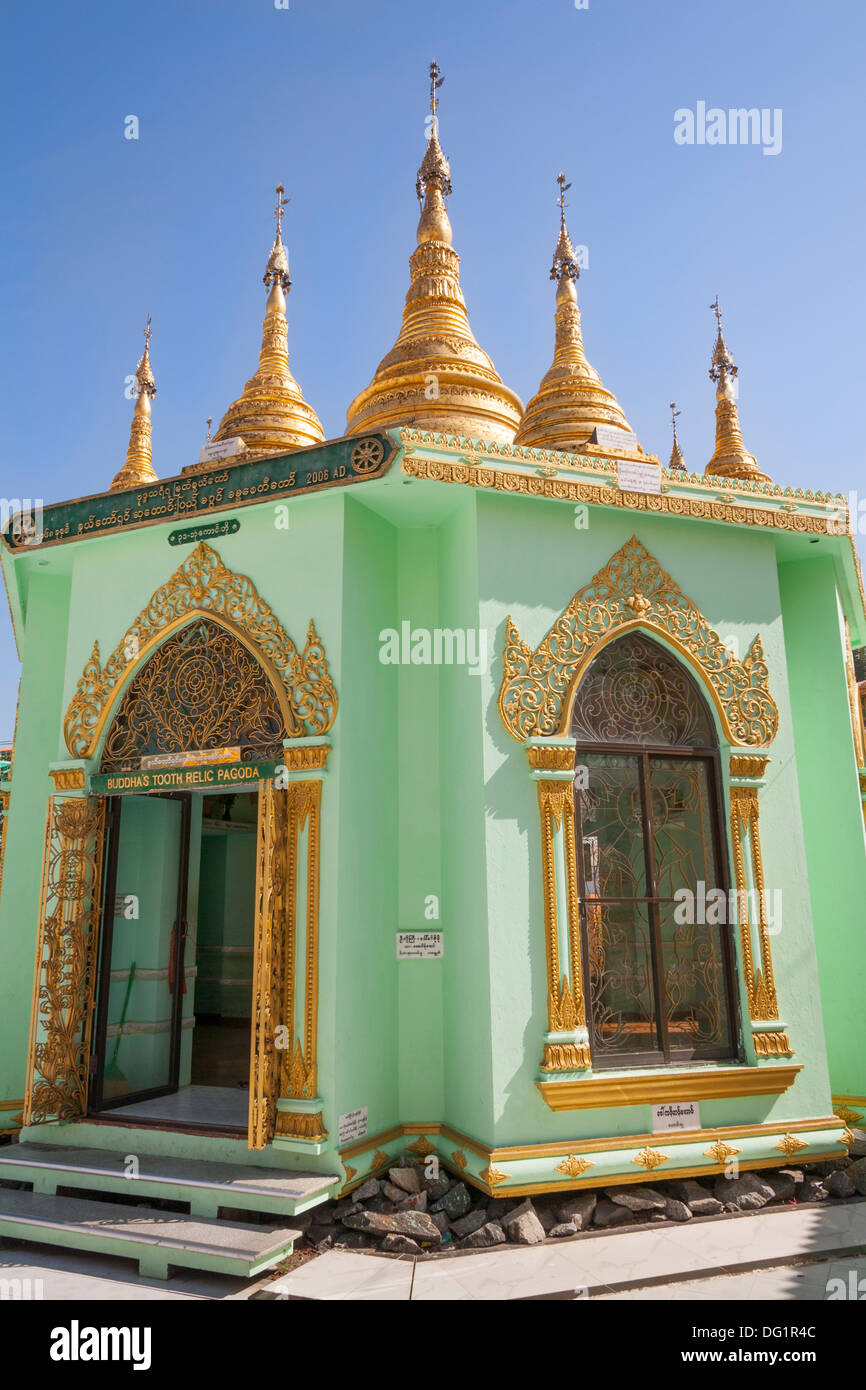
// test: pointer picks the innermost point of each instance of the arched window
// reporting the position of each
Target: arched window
(658, 955)
(201, 690)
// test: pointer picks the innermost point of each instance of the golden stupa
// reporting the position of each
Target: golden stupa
(271, 415)
(676, 462)
(571, 401)
(436, 376)
(138, 467)
(730, 458)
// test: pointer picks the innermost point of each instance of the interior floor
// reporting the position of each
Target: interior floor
(224, 1106)
(221, 1051)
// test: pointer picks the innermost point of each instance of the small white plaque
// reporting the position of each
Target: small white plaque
(639, 477)
(352, 1126)
(609, 437)
(678, 1114)
(419, 945)
(223, 449)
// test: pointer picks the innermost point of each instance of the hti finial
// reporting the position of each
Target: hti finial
(674, 414)
(563, 189)
(147, 335)
(722, 359)
(282, 204)
(277, 269)
(209, 423)
(435, 83)
(565, 265)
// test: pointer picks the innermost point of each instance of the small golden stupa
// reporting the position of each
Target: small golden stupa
(436, 376)
(138, 467)
(730, 457)
(271, 415)
(571, 402)
(677, 462)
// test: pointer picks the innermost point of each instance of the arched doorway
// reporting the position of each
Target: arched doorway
(174, 1016)
(652, 864)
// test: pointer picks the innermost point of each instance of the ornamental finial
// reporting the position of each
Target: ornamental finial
(433, 181)
(722, 361)
(277, 270)
(565, 265)
(676, 460)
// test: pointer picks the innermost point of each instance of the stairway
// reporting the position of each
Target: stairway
(155, 1238)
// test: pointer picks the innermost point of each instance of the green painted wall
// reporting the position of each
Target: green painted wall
(831, 810)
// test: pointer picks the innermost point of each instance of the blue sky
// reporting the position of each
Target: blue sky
(329, 98)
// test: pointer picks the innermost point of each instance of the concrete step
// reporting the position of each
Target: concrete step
(205, 1185)
(156, 1239)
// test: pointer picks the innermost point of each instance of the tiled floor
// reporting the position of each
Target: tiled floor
(597, 1265)
(213, 1105)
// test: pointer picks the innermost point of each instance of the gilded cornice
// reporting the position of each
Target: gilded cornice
(632, 590)
(203, 585)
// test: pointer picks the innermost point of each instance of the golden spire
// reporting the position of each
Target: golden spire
(271, 415)
(571, 401)
(676, 461)
(436, 376)
(138, 467)
(730, 457)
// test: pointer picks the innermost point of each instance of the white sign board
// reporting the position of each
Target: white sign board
(609, 437)
(225, 449)
(639, 477)
(676, 1115)
(192, 757)
(419, 945)
(352, 1126)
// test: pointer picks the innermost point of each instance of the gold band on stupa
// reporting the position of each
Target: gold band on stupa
(271, 415)
(730, 458)
(436, 376)
(138, 467)
(571, 401)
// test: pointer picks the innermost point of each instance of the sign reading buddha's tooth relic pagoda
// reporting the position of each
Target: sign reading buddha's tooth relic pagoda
(666, 714)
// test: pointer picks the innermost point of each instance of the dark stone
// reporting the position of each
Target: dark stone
(465, 1225)
(565, 1228)
(609, 1213)
(498, 1207)
(489, 1234)
(783, 1185)
(812, 1190)
(857, 1147)
(636, 1198)
(416, 1224)
(322, 1237)
(416, 1202)
(371, 1188)
(696, 1197)
(546, 1215)
(440, 1221)
(400, 1245)
(436, 1188)
(407, 1179)
(381, 1205)
(746, 1193)
(324, 1215)
(456, 1201)
(394, 1194)
(355, 1240)
(857, 1174)
(347, 1207)
(796, 1174)
(676, 1210)
(577, 1209)
(522, 1226)
(839, 1184)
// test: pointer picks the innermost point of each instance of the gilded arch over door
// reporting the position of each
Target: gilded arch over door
(632, 590)
(204, 587)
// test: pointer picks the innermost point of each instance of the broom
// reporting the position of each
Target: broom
(114, 1083)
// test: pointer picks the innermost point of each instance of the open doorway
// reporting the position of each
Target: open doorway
(173, 1025)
